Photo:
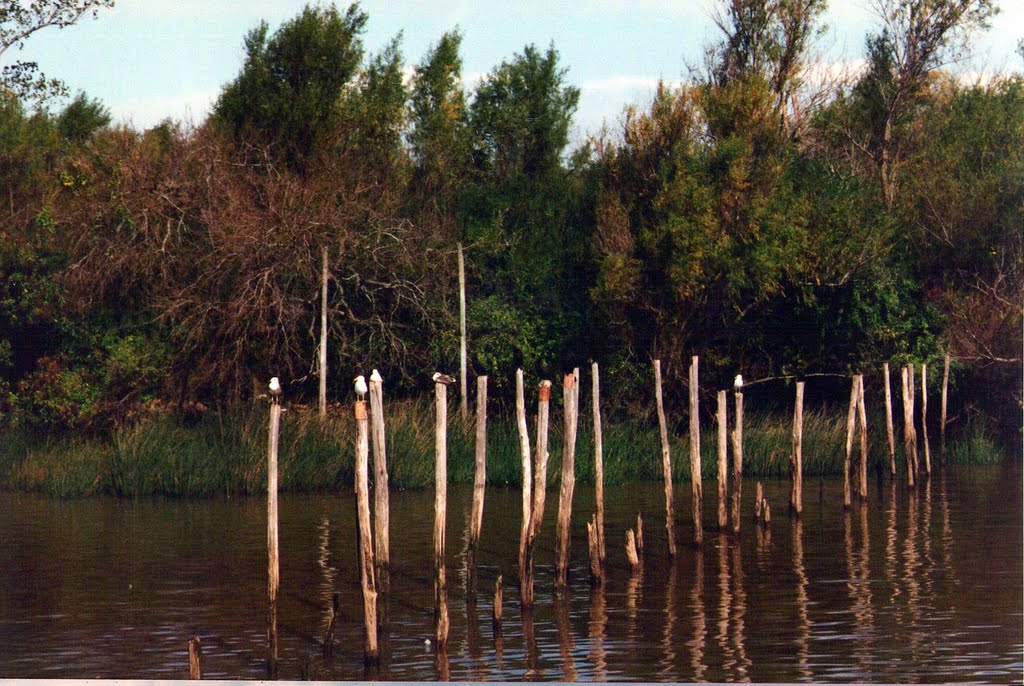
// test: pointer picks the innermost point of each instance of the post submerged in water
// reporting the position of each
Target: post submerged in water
(441, 382)
(598, 461)
(696, 489)
(723, 470)
(480, 474)
(889, 431)
(666, 461)
(273, 566)
(525, 583)
(568, 481)
(367, 580)
(796, 497)
(381, 507)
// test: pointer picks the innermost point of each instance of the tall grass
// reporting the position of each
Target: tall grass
(225, 452)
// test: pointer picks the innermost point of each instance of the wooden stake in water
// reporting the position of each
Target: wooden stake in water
(908, 427)
(323, 333)
(924, 419)
(366, 565)
(666, 461)
(758, 501)
(568, 484)
(539, 485)
(862, 414)
(381, 507)
(737, 458)
(273, 569)
(480, 476)
(913, 425)
(441, 382)
(942, 418)
(593, 550)
(463, 400)
(598, 461)
(640, 533)
(525, 588)
(631, 554)
(723, 470)
(695, 477)
(851, 428)
(796, 497)
(195, 655)
(889, 432)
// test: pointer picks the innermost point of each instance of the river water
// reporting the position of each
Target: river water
(919, 586)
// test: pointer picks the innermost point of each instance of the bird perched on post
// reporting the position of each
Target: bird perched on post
(360, 386)
(376, 376)
(275, 390)
(738, 382)
(443, 378)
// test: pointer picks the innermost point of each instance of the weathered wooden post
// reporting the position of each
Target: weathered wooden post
(666, 461)
(723, 453)
(696, 489)
(570, 396)
(863, 416)
(441, 382)
(195, 655)
(942, 418)
(737, 454)
(273, 568)
(924, 419)
(890, 434)
(796, 498)
(323, 333)
(366, 563)
(539, 484)
(525, 582)
(381, 507)
(598, 461)
(908, 427)
(913, 425)
(640, 533)
(758, 501)
(594, 552)
(631, 553)
(480, 476)
(463, 400)
(851, 428)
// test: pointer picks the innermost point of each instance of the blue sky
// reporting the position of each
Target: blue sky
(150, 59)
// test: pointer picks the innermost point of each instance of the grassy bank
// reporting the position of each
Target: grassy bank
(225, 453)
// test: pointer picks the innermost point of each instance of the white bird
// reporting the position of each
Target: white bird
(360, 386)
(275, 388)
(443, 378)
(376, 376)
(738, 382)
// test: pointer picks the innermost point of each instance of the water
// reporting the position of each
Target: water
(923, 586)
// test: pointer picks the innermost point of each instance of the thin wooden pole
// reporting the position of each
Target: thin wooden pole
(195, 655)
(463, 400)
(540, 473)
(924, 419)
(366, 563)
(631, 554)
(568, 484)
(480, 476)
(593, 550)
(851, 428)
(737, 461)
(723, 470)
(525, 588)
(758, 501)
(440, 513)
(913, 425)
(695, 476)
(273, 568)
(889, 432)
(796, 497)
(942, 418)
(381, 506)
(640, 533)
(323, 332)
(666, 461)
(598, 461)
(908, 427)
(863, 417)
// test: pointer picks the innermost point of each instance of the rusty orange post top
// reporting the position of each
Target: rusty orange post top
(360, 409)
(544, 391)
(569, 381)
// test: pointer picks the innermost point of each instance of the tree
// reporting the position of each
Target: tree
(18, 22)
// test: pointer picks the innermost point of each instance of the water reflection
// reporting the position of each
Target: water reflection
(597, 629)
(668, 649)
(803, 616)
(739, 610)
(564, 636)
(696, 643)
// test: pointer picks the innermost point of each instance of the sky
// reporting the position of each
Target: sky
(150, 59)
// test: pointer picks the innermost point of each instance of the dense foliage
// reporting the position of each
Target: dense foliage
(751, 217)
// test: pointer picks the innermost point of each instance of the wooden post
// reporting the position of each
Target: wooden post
(863, 417)
(496, 610)
(851, 428)
(480, 477)
(593, 549)
(568, 484)
(640, 534)
(766, 512)
(525, 589)
(381, 507)
(539, 486)
(366, 564)
(924, 419)
(195, 654)
(598, 461)
(323, 332)
(942, 418)
(758, 499)
(908, 427)
(890, 434)
(723, 470)
(666, 461)
(440, 512)
(695, 477)
(796, 495)
(913, 425)
(631, 554)
(463, 400)
(737, 461)
(273, 569)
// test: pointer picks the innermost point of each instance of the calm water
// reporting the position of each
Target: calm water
(924, 586)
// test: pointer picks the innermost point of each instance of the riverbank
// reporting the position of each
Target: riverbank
(224, 453)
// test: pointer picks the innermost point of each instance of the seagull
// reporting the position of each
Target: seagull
(360, 386)
(443, 378)
(738, 382)
(376, 376)
(275, 389)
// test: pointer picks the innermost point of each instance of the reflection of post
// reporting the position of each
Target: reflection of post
(530, 641)
(723, 473)
(525, 585)
(666, 460)
(634, 591)
(764, 547)
(724, 608)
(473, 637)
(696, 491)
(890, 543)
(739, 611)
(947, 532)
(696, 644)
(273, 573)
(597, 629)
(668, 643)
(565, 639)
(911, 569)
(804, 635)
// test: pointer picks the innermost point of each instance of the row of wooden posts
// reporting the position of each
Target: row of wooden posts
(374, 556)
